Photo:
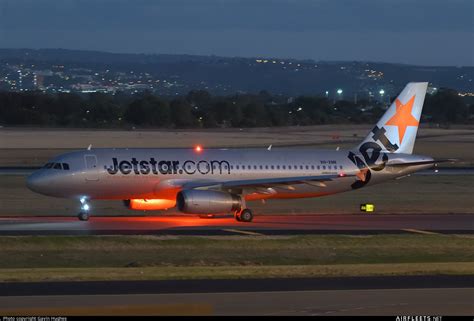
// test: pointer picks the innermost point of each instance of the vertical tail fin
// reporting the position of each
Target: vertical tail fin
(396, 131)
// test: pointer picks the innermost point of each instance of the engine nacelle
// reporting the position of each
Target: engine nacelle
(207, 202)
(149, 204)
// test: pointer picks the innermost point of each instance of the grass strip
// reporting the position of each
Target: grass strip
(234, 272)
(161, 251)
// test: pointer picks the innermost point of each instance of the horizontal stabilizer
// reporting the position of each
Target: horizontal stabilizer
(434, 161)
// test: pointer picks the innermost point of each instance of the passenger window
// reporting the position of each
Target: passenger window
(312, 166)
(273, 167)
(66, 166)
(261, 167)
(301, 166)
(319, 167)
(266, 166)
(278, 166)
(57, 166)
(307, 167)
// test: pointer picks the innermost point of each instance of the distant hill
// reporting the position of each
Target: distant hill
(227, 75)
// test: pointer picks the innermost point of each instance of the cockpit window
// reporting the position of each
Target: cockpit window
(64, 166)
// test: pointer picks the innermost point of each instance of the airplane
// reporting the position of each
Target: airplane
(205, 181)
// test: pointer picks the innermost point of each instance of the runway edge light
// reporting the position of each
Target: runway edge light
(367, 207)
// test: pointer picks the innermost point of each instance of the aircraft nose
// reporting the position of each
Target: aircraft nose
(37, 182)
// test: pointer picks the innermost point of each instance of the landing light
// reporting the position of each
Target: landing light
(198, 148)
(85, 207)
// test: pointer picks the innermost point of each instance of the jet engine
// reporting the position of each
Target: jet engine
(207, 202)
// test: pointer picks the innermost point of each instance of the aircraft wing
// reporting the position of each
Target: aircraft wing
(264, 182)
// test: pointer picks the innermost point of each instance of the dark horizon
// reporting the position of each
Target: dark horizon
(237, 57)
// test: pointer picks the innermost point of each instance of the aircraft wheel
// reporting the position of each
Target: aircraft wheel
(246, 215)
(237, 217)
(83, 216)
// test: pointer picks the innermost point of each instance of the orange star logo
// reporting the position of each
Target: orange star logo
(403, 117)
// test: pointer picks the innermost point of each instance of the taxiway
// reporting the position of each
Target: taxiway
(262, 225)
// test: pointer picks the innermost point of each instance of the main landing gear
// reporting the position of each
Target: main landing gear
(84, 213)
(245, 215)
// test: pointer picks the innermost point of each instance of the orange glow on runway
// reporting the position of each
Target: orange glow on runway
(169, 221)
(151, 204)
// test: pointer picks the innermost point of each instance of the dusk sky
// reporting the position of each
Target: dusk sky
(427, 32)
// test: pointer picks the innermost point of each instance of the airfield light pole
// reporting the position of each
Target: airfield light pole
(339, 95)
(382, 92)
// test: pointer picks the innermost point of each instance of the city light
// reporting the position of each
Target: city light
(382, 92)
(339, 91)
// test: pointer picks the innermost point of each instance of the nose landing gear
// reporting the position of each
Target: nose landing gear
(84, 213)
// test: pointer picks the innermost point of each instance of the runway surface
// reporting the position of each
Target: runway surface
(236, 285)
(414, 295)
(350, 302)
(262, 225)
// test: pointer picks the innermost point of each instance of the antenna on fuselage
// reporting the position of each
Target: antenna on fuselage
(89, 147)
(337, 148)
(269, 147)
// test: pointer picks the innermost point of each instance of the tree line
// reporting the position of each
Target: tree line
(198, 109)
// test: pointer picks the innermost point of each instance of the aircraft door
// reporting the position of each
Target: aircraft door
(92, 173)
